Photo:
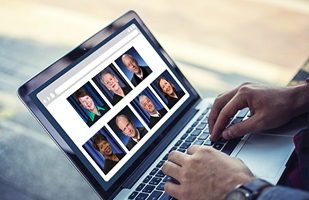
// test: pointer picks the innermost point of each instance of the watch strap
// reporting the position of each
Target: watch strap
(255, 187)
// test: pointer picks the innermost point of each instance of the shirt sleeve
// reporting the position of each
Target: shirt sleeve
(283, 193)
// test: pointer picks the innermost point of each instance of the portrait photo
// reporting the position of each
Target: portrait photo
(112, 84)
(148, 107)
(168, 89)
(104, 150)
(133, 66)
(89, 105)
(128, 127)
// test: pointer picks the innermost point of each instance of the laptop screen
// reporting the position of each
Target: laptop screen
(113, 101)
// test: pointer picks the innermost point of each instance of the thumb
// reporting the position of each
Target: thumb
(239, 129)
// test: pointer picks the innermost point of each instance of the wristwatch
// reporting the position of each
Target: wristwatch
(249, 191)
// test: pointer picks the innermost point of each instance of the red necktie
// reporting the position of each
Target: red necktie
(137, 140)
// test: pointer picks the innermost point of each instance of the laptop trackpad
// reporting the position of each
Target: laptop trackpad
(266, 154)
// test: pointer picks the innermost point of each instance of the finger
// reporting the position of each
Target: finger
(241, 128)
(172, 189)
(171, 169)
(177, 157)
(192, 149)
(219, 103)
(238, 102)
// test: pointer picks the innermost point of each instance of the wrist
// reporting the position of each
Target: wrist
(249, 191)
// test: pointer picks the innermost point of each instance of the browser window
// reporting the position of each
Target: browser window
(122, 89)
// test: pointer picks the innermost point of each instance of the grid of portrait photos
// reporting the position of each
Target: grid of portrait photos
(101, 95)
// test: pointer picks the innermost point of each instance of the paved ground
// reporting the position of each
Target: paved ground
(227, 41)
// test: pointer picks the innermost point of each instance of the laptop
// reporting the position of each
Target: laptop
(91, 99)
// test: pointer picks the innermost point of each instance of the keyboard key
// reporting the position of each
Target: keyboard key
(173, 149)
(205, 112)
(201, 126)
(200, 118)
(218, 146)
(184, 136)
(155, 181)
(160, 174)
(149, 188)
(140, 187)
(161, 163)
(221, 140)
(147, 179)
(160, 186)
(206, 130)
(189, 130)
(141, 196)
(208, 142)
(185, 145)
(205, 121)
(242, 113)
(165, 196)
(195, 124)
(165, 157)
(182, 150)
(236, 120)
(190, 139)
(178, 143)
(133, 195)
(198, 142)
(203, 136)
(230, 146)
(167, 178)
(155, 195)
(196, 132)
(153, 171)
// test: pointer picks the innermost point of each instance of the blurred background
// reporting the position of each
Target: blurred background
(228, 42)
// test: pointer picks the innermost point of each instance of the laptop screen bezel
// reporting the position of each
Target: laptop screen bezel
(76, 54)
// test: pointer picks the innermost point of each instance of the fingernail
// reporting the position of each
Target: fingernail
(227, 134)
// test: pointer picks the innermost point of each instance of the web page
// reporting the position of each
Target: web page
(114, 100)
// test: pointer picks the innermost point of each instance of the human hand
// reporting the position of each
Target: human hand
(270, 107)
(204, 173)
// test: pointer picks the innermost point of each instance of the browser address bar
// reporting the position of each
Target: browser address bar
(92, 65)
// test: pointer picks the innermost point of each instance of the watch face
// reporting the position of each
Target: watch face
(236, 195)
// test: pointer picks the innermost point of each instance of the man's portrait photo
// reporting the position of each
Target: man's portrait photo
(128, 128)
(133, 66)
(149, 107)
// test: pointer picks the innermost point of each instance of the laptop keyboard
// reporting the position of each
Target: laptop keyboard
(152, 187)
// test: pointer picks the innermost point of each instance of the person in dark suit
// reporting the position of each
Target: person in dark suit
(169, 91)
(100, 143)
(148, 106)
(128, 128)
(94, 112)
(110, 81)
(140, 72)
